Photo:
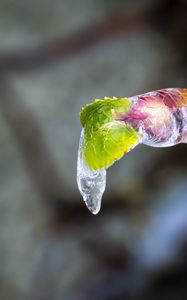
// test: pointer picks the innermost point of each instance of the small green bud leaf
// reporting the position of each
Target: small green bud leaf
(106, 139)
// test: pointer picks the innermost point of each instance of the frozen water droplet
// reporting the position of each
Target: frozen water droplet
(91, 184)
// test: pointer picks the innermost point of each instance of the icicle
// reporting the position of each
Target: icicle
(156, 119)
(91, 184)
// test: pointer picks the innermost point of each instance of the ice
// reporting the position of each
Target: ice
(91, 184)
(162, 134)
(159, 124)
(163, 126)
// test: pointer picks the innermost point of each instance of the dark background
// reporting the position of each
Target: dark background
(56, 56)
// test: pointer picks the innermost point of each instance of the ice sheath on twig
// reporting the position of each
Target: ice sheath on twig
(114, 126)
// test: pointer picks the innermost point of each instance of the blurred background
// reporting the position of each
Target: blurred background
(56, 56)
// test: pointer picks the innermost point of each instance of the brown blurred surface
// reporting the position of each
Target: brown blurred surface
(55, 56)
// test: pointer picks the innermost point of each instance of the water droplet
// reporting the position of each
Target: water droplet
(91, 184)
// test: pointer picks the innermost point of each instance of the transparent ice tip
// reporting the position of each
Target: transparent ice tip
(91, 184)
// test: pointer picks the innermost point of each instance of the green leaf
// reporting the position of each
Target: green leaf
(99, 112)
(108, 144)
(106, 138)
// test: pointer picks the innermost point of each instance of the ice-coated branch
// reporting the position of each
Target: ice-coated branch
(114, 126)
